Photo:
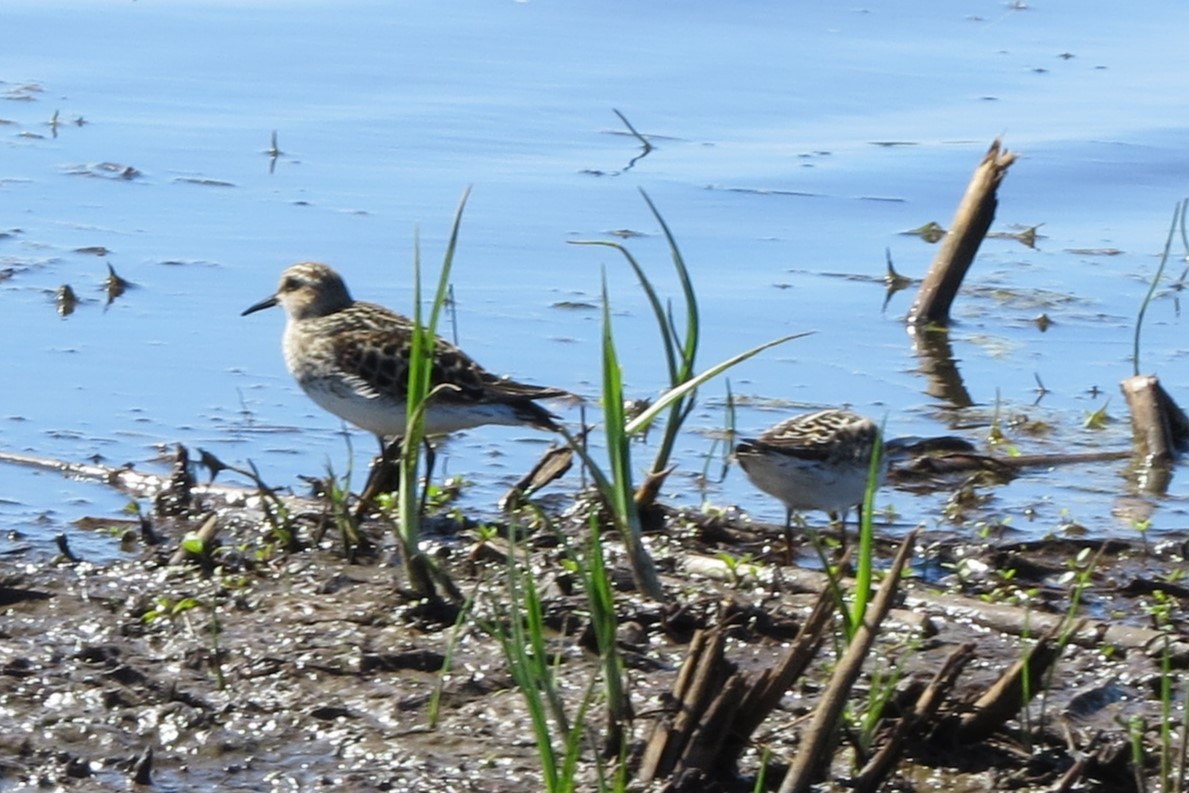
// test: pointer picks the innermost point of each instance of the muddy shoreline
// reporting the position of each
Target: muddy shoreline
(306, 670)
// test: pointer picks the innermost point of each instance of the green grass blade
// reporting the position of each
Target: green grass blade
(641, 422)
(654, 301)
(618, 450)
(443, 290)
(680, 350)
(621, 494)
(1143, 308)
(433, 711)
(417, 388)
(692, 321)
(864, 565)
(418, 394)
(601, 600)
(529, 670)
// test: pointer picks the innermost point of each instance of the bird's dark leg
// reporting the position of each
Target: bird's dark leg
(839, 519)
(788, 536)
(430, 458)
(384, 476)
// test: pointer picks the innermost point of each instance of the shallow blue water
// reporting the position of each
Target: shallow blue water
(767, 119)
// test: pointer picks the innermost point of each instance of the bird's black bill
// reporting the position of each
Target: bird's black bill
(267, 302)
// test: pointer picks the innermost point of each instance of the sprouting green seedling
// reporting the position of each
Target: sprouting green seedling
(864, 564)
(485, 533)
(1182, 772)
(1162, 610)
(167, 608)
(386, 502)
(337, 491)
(995, 434)
(1098, 419)
(1004, 588)
(761, 783)
(193, 544)
(1174, 575)
(1136, 727)
(617, 486)
(738, 567)
(519, 627)
(461, 622)
(276, 513)
(885, 679)
(440, 496)
(600, 599)
(1078, 578)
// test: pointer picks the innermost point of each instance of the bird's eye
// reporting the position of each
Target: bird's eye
(290, 284)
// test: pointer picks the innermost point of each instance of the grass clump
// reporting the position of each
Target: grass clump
(618, 489)
(420, 572)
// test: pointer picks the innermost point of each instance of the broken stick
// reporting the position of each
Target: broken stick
(961, 243)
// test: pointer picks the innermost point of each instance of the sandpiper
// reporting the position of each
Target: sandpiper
(814, 461)
(352, 358)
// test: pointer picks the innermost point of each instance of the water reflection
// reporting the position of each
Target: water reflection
(936, 362)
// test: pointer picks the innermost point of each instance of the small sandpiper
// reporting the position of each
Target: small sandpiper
(352, 359)
(815, 461)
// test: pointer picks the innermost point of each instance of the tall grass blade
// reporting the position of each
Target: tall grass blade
(418, 568)
(680, 349)
(601, 601)
(864, 565)
(433, 712)
(621, 493)
(680, 352)
(520, 630)
(618, 491)
(1143, 309)
(646, 417)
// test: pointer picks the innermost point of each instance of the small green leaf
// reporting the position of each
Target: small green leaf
(185, 604)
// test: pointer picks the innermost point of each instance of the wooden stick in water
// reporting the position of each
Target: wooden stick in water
(1161, 429)
(969, 227)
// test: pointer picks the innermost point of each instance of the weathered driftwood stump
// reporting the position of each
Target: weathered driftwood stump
(1161, 429)
(961, 242)
(715, 709)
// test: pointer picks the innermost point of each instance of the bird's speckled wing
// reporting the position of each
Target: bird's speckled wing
(375, 356)
(824, 435)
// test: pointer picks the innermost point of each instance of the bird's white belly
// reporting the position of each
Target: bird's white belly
(386, 417)
(806, 485)
(377, 415)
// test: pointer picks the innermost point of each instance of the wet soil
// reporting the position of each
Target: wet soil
(306, 670)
